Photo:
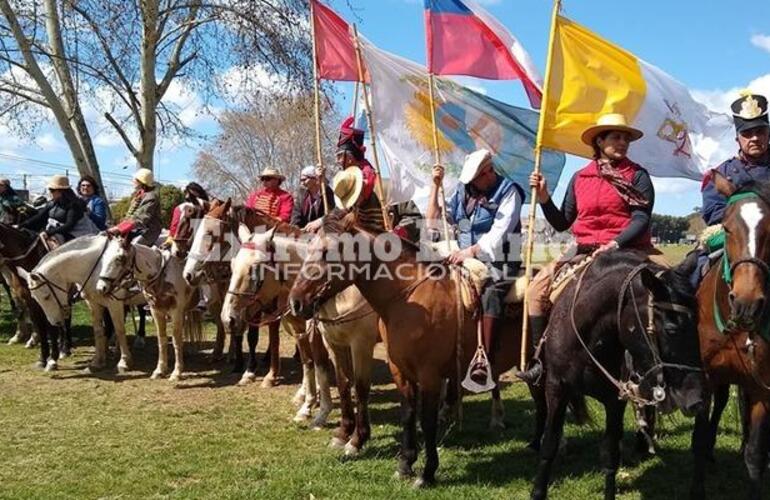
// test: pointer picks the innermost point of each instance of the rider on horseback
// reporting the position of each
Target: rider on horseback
(608, 205)
(486, 208)
(142, 219)
(11, 205)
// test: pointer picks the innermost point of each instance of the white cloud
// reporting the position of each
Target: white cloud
(49, 142)
(719, 100)
(761, 41)
(674, 186)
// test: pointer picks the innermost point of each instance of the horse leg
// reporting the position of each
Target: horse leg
(408, 453)
(721, 396)
(429, 423)
(556, 400)
(343, 363)
(497, 418)
(236, 351)
(323, 371)
(271, 379)
(67, 344)
(307, 395)
(219, 343)
(645, 437)
(744, 409)
(100, 340)
(53, 340)
(362, 371)
(118, 319)
(610, 450)
(141, 333)
(161, 324)
(252, 337)
(755, 455)
(700, 449)
(541, 412)
(177, 338)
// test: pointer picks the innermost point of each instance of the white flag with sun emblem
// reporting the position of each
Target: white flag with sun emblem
(466, 121)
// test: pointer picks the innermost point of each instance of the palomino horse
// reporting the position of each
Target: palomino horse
(160, 276)
(212, 244)
(265, 269)
(21, 251)
(78, 263)
(429, 336)
(625, 304)
(734, 329)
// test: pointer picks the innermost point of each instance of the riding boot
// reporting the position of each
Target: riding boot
(489, 336)
(532, 376)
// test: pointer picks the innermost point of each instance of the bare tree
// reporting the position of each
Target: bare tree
(273, 131)
(120, 57)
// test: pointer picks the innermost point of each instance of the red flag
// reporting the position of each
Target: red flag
(335, 49)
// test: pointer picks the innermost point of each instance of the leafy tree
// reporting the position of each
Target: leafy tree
(170, 196)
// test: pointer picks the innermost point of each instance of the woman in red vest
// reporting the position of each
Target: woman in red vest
(608, 205)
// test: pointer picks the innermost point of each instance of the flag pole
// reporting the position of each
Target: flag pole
(437, 159)
(533, 193)
(317, 109)
(372, 137)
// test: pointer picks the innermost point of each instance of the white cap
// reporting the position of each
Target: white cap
(308, 172)
(472, 163)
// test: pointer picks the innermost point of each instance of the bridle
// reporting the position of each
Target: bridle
(629, 389)
(127, 276)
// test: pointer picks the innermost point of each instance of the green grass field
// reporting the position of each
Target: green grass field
(70, 435)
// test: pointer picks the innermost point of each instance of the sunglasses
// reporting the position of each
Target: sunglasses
(85, 185)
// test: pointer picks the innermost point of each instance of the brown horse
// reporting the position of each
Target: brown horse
(421, 321)
(733, 329)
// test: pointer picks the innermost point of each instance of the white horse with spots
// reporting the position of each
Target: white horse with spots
(168, 294)
(262, 271)
(77, 265)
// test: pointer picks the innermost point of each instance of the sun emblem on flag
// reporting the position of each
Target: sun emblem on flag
(418, 120)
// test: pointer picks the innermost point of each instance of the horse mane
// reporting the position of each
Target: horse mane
(241, 213)
(81, 243)
(761, 189)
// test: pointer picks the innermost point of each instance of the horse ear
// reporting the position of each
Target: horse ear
(228, 204)
(724, 186)
(244, 234)
(654, 284)
(23, 274)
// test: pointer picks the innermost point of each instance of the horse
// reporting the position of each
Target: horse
(214, 287)
(212, 243)
(19, 309)
(430, 336)
(20, 251)
(78, 263)
(627, 305)
(168, 294)
(734, 330)
(264, 269)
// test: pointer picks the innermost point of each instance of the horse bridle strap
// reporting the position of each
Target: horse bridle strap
(38, 240)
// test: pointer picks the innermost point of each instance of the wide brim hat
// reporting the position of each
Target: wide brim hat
(272, 172)
(59, 182)
(610, 121)
(145, 176)
(347, 186)
(472, 164)
(749, 111)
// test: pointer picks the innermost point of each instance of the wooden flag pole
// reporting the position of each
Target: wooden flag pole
(437, 159)
(533, 193)
(372, 138)
(317, 106)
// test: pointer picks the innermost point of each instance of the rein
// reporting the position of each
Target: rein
(628, 390)
(35, 243)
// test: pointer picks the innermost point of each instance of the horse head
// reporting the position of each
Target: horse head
(324, 272)
(746, 224)
(52, 298)
(189, 213)
(667, 357)
(117, 263)
(209, 242)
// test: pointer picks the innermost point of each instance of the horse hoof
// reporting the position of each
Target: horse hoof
(16, 339)
(247, 378)
(39, 365)
(351, 450)
(299, 397)
(337, 443)
(403, 474)
(138, 342)
(157, 374)
(268, 382)
(51, 366)
(175, 377)
(496, 425)
(65, 355)
(303, 415)
(319, 422)
(31, 343)
(123, 367)
(421, 483)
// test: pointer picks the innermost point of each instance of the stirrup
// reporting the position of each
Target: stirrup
(479, 359)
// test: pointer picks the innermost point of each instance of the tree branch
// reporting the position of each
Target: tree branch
(122, 133)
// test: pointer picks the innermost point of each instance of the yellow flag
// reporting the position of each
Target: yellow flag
(588, 77)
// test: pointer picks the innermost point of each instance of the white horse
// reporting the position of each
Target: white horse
(160, 276)
(77, 264)
(261, 273)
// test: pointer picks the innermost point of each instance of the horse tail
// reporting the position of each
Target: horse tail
(193, 328)
(579, 408)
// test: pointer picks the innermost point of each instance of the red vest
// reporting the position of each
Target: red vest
(601, 213)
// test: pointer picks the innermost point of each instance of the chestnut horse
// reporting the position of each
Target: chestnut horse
(734, 329)
(421, 322)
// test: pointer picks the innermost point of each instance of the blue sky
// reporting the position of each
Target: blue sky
(712, 47)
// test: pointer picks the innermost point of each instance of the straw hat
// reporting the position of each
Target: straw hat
(145, 176)
(472, 163)
(610, 121)
(59, 182)
(347, 186)
(272, 172)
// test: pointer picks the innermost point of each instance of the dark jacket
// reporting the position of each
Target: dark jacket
(10, 205)
(739, 172)
(59, 217)
(306, 210)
